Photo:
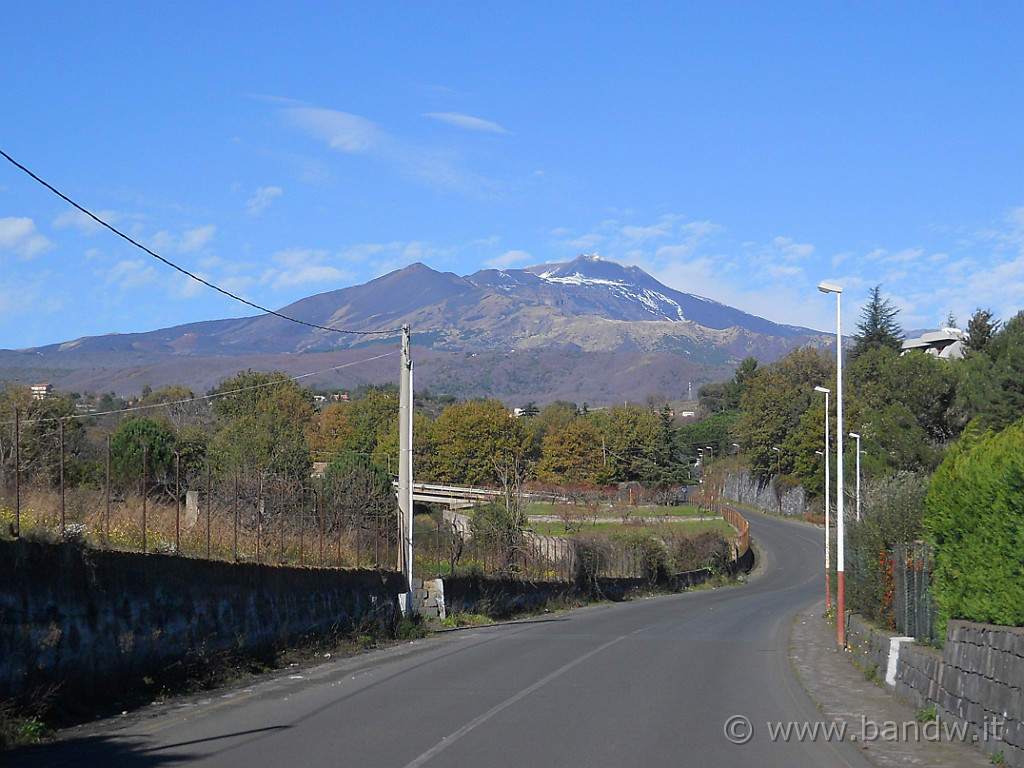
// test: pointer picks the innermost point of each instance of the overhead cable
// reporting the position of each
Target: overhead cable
(207, 283)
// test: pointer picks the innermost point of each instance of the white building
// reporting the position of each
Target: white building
(947, 344)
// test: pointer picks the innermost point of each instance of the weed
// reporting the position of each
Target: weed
(996, 758)
(412, 627)
(926, 715)
(871, 674)
(453, 620)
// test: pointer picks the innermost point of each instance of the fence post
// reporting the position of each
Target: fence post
(106, 493)
(145, 453)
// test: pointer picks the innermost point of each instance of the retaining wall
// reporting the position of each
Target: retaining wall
(761, 493)
(977, 679)
(92, 621)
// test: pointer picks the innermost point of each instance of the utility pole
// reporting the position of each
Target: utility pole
(405, 463)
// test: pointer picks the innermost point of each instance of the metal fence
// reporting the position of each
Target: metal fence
(894, 588)
(913, 605)
(238, 517)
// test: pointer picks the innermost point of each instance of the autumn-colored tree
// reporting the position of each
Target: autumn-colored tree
(471, 439)
(572, 456)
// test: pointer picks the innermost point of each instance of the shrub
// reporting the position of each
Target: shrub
(893, 508)
(973, 515)
(592, 555)
(708, 550)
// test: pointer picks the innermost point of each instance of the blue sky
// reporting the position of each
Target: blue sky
(739, 151)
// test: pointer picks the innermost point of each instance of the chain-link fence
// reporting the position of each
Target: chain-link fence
(893, 587)
(913, 605)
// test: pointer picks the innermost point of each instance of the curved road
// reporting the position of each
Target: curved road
(644, 683)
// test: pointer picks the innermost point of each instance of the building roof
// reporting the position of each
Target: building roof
(947, 344)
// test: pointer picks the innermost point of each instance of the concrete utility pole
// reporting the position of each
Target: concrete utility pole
(405, 463)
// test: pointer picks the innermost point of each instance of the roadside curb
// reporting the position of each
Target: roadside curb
(884, 727)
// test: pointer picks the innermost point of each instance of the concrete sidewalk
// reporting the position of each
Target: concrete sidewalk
(881, 723)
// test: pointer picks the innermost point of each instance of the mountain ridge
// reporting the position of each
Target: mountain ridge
(586, 307)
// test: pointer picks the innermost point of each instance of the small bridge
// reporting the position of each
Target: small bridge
(454, 497)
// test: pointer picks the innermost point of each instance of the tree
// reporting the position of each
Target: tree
(773, 406)
(138, 438)
(727, 396)
(572, 455)
(980, 329)
(180, 406)
(878, 326)
(470, 440)
(628, 434)
(44, 423)
(261, 425)
(992, 387)
(973, 519)
(903, 408)
(360, 492)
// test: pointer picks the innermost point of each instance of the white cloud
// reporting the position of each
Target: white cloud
(509, 259)
(129, 274)
(341, 131)
(640, 234)
(86, 225)
(431, 166)
(190, 240)
(466, 121)
(304, 267)
(194, 239)
(793, 250)
(260, 201)
(19, 235)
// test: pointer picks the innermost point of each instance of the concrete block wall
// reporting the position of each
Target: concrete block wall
(977, 679)
(428, 598)
(92, 621)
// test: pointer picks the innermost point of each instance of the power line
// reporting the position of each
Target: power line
(207, 283)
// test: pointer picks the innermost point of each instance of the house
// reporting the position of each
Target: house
(947, 344)
(42, 391)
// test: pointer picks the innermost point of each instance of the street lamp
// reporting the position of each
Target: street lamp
(828, 490)
(778, 476)
(855, 436)
(840, 525)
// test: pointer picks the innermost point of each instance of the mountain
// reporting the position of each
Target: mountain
(587, 330)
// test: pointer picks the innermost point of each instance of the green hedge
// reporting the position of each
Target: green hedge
(975, 516)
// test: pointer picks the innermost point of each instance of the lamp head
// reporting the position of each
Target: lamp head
(826, 390)
(855, 436)
(829, 288)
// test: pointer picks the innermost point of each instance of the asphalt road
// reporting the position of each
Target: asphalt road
(659, 682)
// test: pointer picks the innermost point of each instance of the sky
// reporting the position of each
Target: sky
(740, 151)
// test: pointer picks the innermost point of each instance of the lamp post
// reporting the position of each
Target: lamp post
(828, 492)
(856, 437)
(840, 525)
(778, 475)
(711, 479)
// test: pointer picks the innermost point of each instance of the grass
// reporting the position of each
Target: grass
(649, 527)
(539, 509)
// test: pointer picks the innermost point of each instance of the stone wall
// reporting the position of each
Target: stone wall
(762, 493)
(92, 621)
(977, 679)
